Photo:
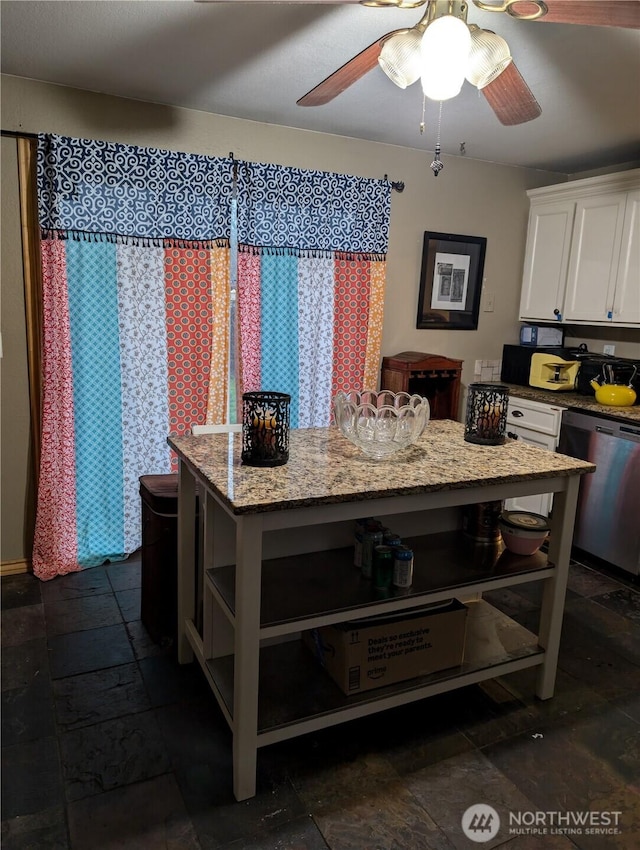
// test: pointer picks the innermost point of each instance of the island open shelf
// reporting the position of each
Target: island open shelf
(302, 591)
(267, 683)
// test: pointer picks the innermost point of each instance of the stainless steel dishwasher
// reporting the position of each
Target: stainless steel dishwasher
(608, 516)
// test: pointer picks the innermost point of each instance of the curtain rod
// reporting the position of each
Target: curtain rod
(16, 134)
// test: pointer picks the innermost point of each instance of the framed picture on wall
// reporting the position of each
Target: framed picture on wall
(450, 281)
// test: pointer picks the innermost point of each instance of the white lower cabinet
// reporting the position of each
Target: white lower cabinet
(538, 424)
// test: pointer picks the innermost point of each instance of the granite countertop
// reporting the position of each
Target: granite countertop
(325, 468)
(575, 401)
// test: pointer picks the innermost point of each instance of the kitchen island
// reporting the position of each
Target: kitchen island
(241, 614)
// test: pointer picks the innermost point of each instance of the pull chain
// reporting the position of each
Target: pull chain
(424, 103)
(437, 165)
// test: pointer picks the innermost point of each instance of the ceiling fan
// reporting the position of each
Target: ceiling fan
(483, 57)
(443, 50)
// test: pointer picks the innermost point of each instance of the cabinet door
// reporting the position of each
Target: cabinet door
(546, 260)
(626, 302)
(595, 253)
(541, 502)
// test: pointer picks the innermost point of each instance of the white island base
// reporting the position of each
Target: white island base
(241, 612)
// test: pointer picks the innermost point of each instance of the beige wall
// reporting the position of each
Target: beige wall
(469, 197)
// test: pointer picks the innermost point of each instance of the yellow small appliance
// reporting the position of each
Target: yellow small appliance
(550, 372)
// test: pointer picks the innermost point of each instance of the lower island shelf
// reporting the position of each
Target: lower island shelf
(495, 645)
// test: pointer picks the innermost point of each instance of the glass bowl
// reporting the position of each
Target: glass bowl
(380, 423)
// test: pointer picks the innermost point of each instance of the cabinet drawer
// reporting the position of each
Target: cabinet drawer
(535, 415)
(534, 438)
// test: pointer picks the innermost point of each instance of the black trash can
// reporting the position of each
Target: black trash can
(158, 604)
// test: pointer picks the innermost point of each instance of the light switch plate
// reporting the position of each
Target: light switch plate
(609, 349)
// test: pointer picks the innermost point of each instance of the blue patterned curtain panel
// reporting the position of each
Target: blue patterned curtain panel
(312, 213)
(132, 193)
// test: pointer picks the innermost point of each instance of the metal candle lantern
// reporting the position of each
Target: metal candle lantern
(265, 428)
(486, 418)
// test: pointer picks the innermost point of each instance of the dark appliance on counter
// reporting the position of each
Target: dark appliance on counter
(607, 514)
(516, 361)
(591, 367)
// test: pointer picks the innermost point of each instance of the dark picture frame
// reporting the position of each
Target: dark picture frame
(450, 281)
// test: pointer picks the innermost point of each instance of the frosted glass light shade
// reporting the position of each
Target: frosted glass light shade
(445, 55)
(400, 58)
(488, 58)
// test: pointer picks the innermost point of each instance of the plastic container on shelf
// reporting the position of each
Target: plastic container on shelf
(523, 532)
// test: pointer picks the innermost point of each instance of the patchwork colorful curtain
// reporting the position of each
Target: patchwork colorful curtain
(135, 273)
(311, 274)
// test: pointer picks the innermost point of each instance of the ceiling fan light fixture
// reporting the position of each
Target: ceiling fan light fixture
(400, 58)
(445, 54)
(488, 57)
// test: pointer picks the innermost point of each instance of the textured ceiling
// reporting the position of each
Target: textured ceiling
(254, 60)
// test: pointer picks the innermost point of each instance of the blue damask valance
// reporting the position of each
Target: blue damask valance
(289, 209)
(89, 188)
(94, 187)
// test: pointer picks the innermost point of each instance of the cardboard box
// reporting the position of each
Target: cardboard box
(364, 654)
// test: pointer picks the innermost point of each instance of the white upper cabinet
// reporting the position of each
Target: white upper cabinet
(546, 261)
(626, 301)
(595, 250)
(582, 262)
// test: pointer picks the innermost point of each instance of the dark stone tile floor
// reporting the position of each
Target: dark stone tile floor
(109, 744)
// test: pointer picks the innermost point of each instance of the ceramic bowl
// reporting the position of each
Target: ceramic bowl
(523, 532)
(380, 423)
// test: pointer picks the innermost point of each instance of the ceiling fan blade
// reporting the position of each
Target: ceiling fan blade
(595, 13)
(511, 98)
(346, 75)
